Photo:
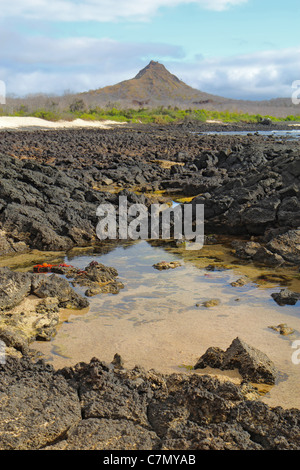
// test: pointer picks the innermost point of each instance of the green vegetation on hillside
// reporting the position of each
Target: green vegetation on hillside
(160, 115)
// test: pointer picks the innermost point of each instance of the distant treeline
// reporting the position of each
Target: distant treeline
(159, 115)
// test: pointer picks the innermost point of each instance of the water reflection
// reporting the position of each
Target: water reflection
(204, 275)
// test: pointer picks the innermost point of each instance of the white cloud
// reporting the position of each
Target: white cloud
(78, 51)
(99, 10)
(260, 75)
(52, 65)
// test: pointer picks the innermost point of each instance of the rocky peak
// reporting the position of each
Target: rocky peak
(155, 70)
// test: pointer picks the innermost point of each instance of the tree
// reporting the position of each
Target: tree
(77, 105)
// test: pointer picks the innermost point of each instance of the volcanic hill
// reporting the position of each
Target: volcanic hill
(155, 86)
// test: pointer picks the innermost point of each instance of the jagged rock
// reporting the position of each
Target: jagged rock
(118, 362)
(239, 282)
(286, 297)
(162, 265)
(99, 279)
(9, 246)
(287, 246)
(267, 258)
(245, 250)
(91, 291)
(22, 318)
(213, 357)
(280, 249)
(253, 365)
(97, 272)
(104, 434)
(48, 194)
(46, 208)
(283, 329)
(14, 339)
(14, 286)
(54, 286)
(48, 319)
(261, 215)
(211, 303)
(107, 181)
(92, 406)
(37, 406)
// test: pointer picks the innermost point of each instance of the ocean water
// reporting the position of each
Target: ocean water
(289, 134)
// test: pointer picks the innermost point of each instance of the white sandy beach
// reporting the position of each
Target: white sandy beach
(19, 122)
(31, 123)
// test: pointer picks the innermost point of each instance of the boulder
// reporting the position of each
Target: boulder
(94, 406)
(162, 265)
(283, 329)
(14, 339)
(99, 279)
(253, 365)
(47, 319)
(54, 286)
(37, 406)
(240, 282)
(267, 258)
(213, 357)
(23, 318)
(8, 246)
(258, 217)
(287, 245)
(245, 250)
(286, 297)
(14, 286)
(211, 303)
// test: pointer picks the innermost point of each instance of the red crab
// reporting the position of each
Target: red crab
(45, 267)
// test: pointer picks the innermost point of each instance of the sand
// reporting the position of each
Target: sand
(154, 321)
(30, 123)
(174, 342)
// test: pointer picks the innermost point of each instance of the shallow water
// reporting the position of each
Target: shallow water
(155, 322)
(290, 134)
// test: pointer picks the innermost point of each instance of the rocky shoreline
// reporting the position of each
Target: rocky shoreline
(97, 406)
(51, 183)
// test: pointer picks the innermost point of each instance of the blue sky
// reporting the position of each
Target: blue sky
(246, 49)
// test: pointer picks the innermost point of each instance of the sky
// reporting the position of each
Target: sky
(243, 49)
